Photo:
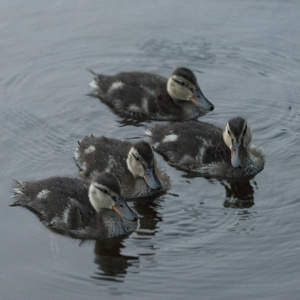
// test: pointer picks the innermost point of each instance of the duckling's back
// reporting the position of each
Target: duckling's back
(190, 145)
(138, 95)
(101, 154)
(56, 200)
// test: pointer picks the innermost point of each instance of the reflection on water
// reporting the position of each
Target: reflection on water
(148, 211)
(111, 263)
(166, 46)
(129, 122)
(239, 194)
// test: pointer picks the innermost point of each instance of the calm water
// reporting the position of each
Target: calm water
(203, 240)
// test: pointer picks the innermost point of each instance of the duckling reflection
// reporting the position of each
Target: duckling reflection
(112, 264)
(239, 194)
(149, 215)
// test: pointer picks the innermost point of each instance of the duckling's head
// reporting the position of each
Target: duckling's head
(237, 136)
(183, 86)
(141, 163)
(104, 192)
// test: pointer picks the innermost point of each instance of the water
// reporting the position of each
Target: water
(204, 239)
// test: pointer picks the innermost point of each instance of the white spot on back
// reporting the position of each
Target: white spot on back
(55, 220)
(149, 91)
(148, 132)
(83, 166)
(90, 149)
(18, 190)
(134, 108)
(116, 85)
(170, 138)
(155, 145)
(42, 194)
(111, 163)
(66, 214)
(77, 151)
(202, 150)
(118, 104)
(93, 84)
(145, 104)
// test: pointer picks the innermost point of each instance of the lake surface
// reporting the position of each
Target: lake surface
(205, 239)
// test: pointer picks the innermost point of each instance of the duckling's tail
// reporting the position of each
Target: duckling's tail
(93, 84)
(91, 71)
(148, 132)
(18, 192)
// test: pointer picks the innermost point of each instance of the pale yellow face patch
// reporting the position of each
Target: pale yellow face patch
(244, 136)
(180, 88)
(101, 197)
(136, 163)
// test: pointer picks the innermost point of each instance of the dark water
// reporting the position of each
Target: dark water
(203, 240)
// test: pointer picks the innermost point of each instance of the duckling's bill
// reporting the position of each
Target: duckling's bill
(237, 155)
(122, 208)
(199, 99)
(151, 179)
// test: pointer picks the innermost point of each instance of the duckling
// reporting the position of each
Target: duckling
(133, 164)
(147, 96)
(78, 208)
(205, 149)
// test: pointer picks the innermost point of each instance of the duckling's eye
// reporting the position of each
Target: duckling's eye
(229, 132)
(179, 82)
(136, 157)
(104, 191)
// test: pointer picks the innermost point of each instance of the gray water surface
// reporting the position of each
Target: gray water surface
(205, 239)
